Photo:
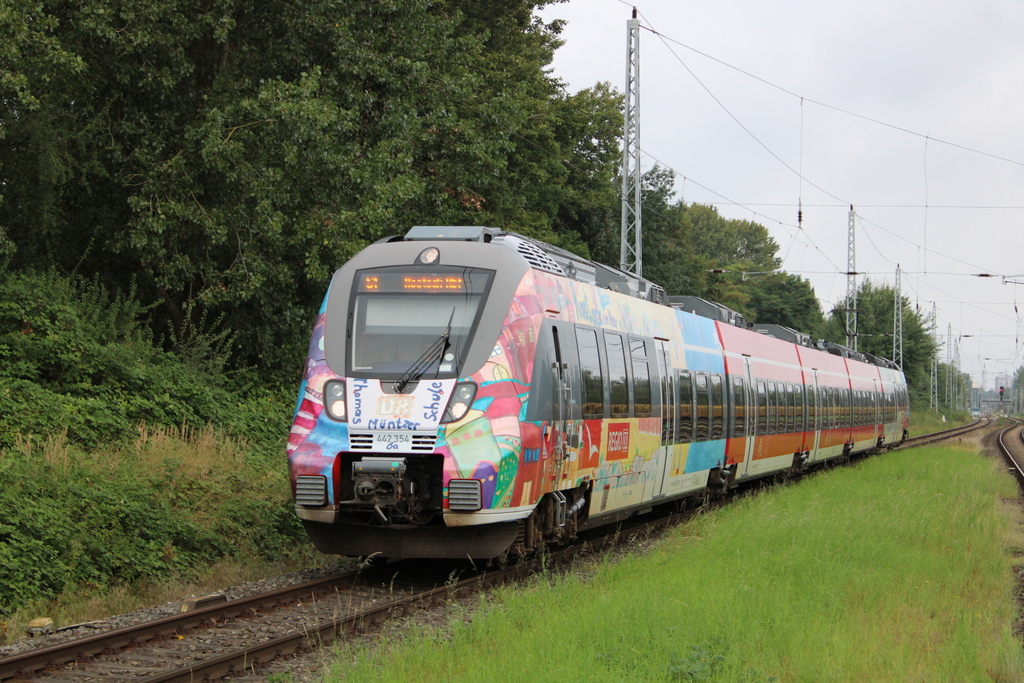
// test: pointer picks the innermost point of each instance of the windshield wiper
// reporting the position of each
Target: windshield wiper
(423, 363)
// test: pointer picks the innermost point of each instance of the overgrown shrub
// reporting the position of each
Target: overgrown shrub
(168, 504)
(76, 360)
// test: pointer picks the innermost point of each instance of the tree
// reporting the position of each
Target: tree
(875, 307)
(730, 241)
(785, 299)
(228, 157)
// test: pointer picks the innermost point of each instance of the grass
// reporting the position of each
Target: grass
(928, 421)
(175, 512)
(897, 569)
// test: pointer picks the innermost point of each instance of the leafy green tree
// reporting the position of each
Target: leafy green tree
(233, 155)
(669, 258)
(875, 307)
(730, 241)
(785, 299)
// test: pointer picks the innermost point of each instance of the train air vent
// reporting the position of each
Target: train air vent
(464, 495)
(538, 259)
(311, 490)
(424, 442)
(360, 441)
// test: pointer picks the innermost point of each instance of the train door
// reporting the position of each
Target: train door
(815, 415)
(669, 415)
(561, 389)
(751, 428)
(877, 429)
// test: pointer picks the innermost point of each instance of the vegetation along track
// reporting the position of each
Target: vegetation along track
(242, 635)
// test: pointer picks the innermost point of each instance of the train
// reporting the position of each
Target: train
(473, 392)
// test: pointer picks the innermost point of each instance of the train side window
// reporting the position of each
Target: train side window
(702, 394)
(641, 387)
(839, 406)
(786, 399)
(762, 408)
(739, 407)
(617, 375)
(790, 408)
(717, 407)
(841, 412)
(801, 407)
(832, 412)
(637, 348)
(685, 407)
(823, 408)
(773, 408)
(843, 400)
(783, 409)
(590, 365)
(812, 408)
(798, 408)
(668, 398)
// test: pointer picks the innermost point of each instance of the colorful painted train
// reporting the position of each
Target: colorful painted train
(472, 392)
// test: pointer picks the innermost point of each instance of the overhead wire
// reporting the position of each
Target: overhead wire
(825, 105)
(799, 171)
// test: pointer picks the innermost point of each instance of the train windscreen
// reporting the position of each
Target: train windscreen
(407, 320)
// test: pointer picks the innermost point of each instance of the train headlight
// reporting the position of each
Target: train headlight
(429, 256)
(460, 402)
(334, 399)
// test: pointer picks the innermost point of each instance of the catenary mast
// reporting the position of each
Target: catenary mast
(851, 284)
(631, 244)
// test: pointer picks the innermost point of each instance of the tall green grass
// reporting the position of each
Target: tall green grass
(897, 569)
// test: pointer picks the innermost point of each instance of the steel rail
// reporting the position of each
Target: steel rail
(1015, 467)
(239, 661)
(925, 439)
(56, 655)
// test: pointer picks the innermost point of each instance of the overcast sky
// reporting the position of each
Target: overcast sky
(936, 179)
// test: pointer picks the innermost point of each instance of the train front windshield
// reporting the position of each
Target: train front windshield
(408, 319)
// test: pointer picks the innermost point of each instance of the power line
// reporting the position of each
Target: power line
(825, 105)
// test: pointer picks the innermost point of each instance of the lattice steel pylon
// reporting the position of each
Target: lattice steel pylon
(933, 402)
(949, 365)
(851, 285)
(631, 240)
(897, 322)
(958, 385)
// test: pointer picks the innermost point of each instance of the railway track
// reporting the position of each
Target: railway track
(1011, 444)
(925, 439)
(243, 635)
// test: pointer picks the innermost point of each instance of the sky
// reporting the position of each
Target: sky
(912, 112)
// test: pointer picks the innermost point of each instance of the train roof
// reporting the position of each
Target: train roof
(558, 261)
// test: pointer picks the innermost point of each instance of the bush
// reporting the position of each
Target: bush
(111, 471)
(76, 360)
(167, 505)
